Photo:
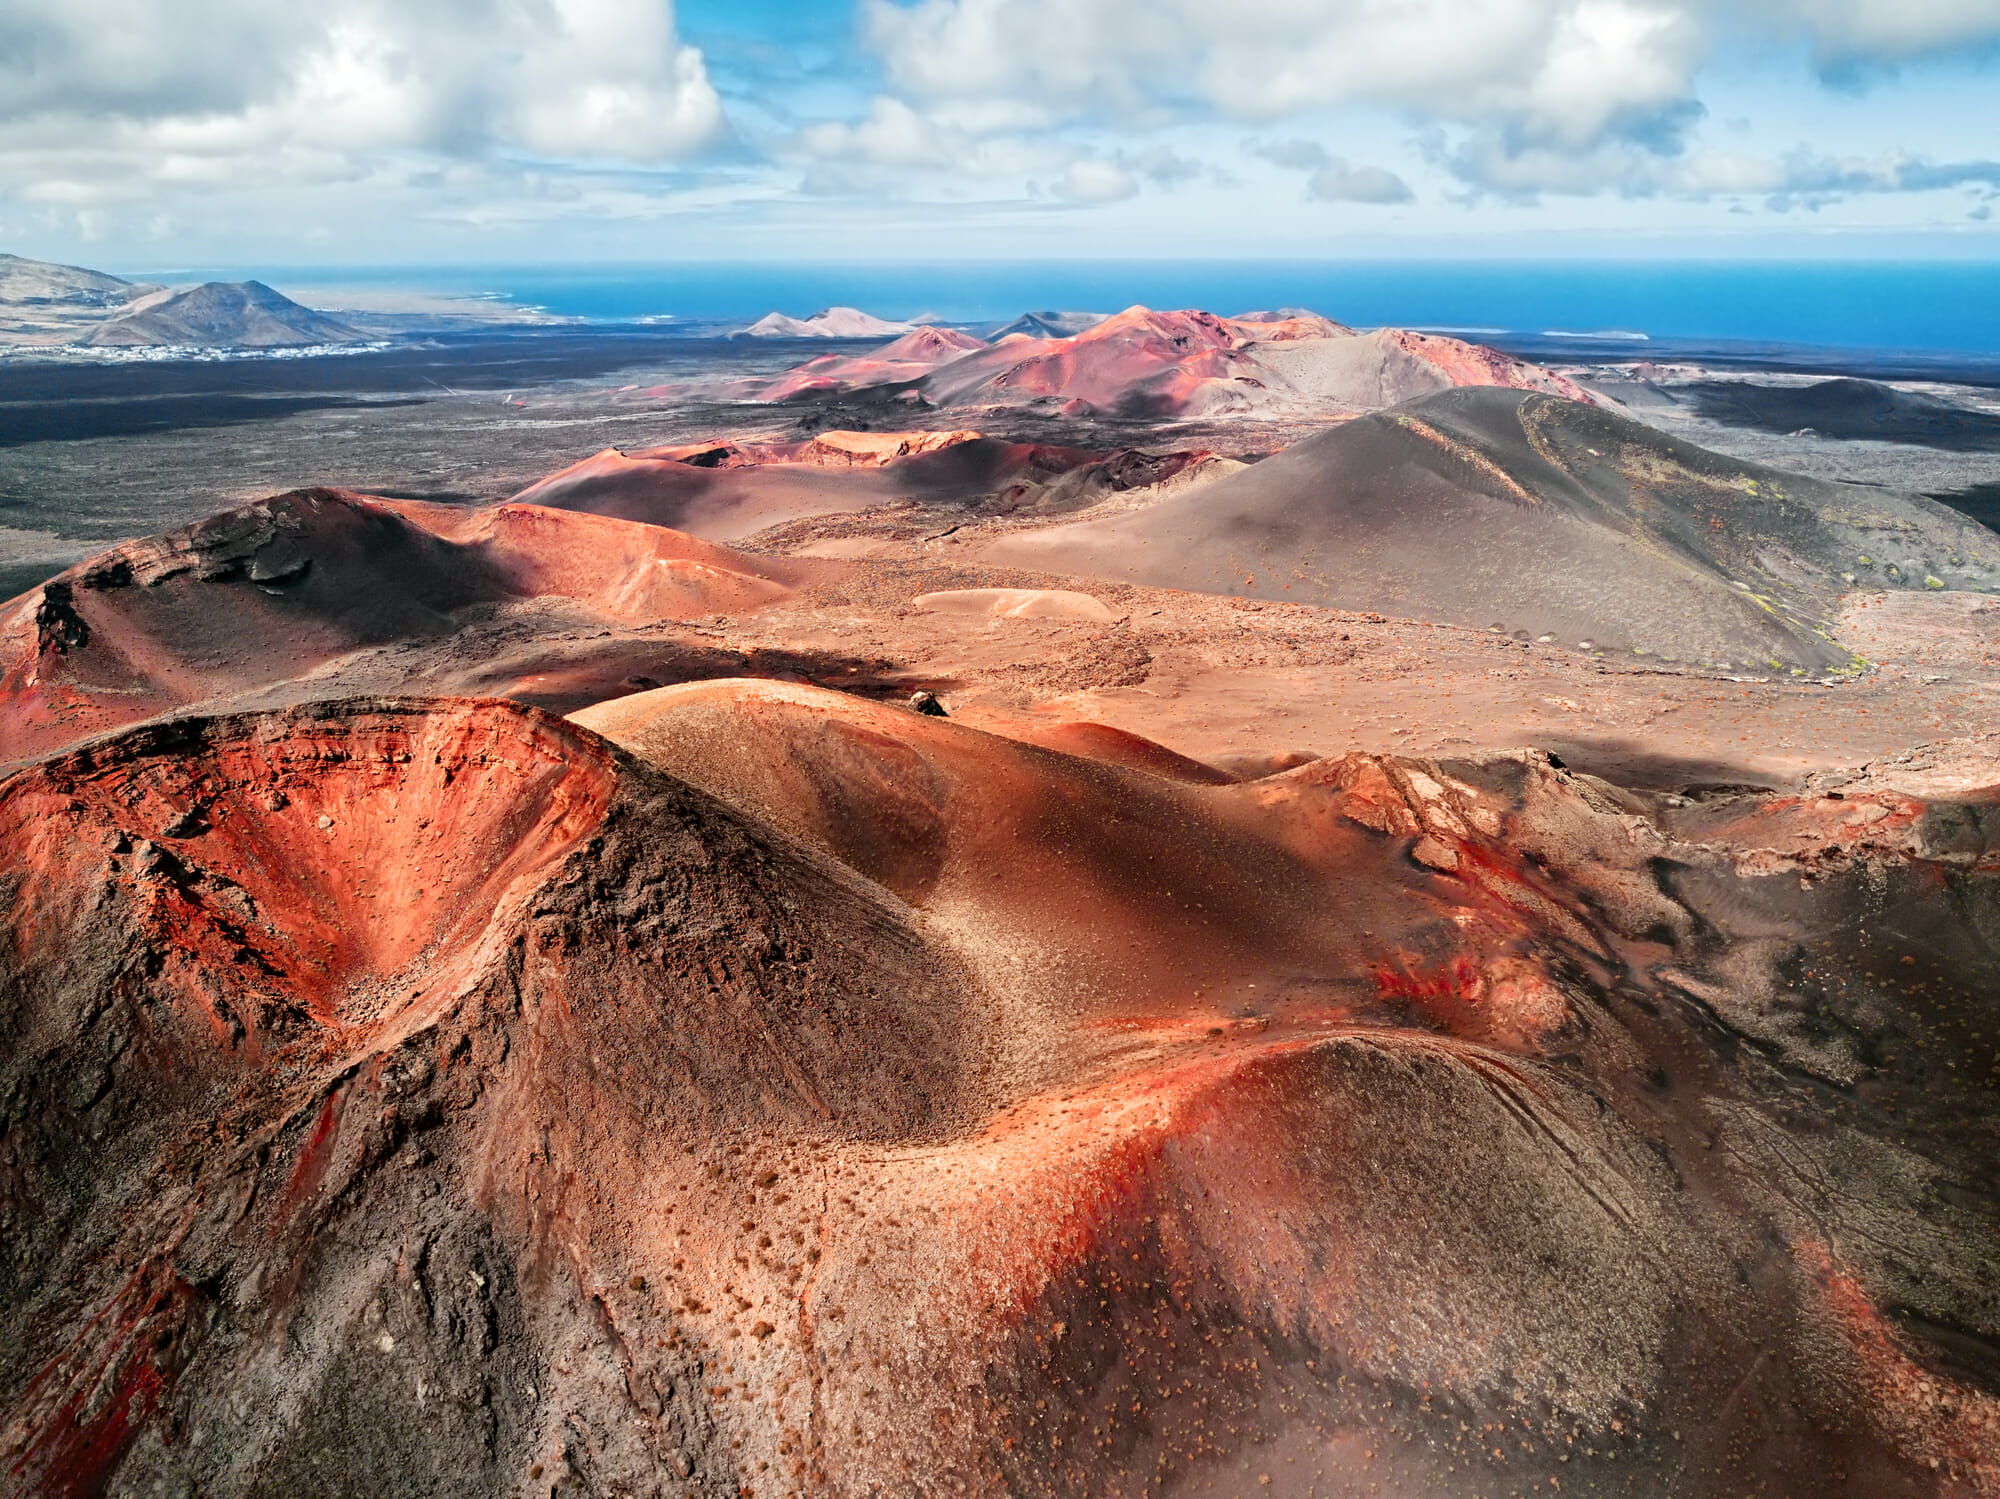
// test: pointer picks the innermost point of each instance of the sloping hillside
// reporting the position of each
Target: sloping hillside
(1537, 516)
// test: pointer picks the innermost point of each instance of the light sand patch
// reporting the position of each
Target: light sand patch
(1017, 603)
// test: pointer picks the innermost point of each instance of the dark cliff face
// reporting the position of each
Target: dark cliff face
(431, 1097)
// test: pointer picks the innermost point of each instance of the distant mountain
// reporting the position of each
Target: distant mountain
(45, 303)
(832, 322)
(1851, 410)
(220, 315)
(1146, 364)
(1048, 325)
(1536, 516)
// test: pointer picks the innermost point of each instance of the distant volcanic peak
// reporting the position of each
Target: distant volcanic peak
(830, 322)
(1140, 362)
(1047, 324)
(930, 345)
(904, 361)
(1147, 362)
(221, 314)
(1214, 331)
(46, 305)
(1466, 364)
(41, 281)
(1182, 329)
(1290, 324)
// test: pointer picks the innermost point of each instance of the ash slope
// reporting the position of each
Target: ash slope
(457, 1104)
(1851, 410)
(1538, 516)
(726, 491)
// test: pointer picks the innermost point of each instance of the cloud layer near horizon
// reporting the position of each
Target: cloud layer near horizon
(124, 117)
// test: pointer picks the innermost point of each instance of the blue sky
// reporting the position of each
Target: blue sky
(372, 132)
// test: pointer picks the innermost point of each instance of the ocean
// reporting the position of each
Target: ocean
(1937, 307)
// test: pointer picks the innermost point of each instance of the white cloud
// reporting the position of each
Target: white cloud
(1333, 179)
(1338, 182)
(594, 80)
(1562, 70)
(890, 134)
(1892, 30)
(1572, 96)
(1088, 181)
(1164, 167)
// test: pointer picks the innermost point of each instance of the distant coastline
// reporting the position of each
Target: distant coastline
(1893, 307)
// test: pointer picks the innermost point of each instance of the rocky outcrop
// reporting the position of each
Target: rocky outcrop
(274, 591)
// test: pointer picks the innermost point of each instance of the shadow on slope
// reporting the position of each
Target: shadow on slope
(1539, 517)
(1855, 410)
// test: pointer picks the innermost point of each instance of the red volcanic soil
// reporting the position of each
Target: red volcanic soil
(1139, 363)
(276, 590)
(1143, 363)
(362, 1041)
(1475, 364)
(816, 1097)
(906, 360)
(718, 500)
(1209, 896)
(729, 490)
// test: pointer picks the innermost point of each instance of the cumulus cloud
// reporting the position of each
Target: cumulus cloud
(1539, 95)
(1164, 167)
(1802, 179)
(1090, 182)
(890, 134)
(1337, 182)
(1567, 71)
(596, 80)
(1299, 155)
(1847, 31)
(1808, 181)
(1332, 179)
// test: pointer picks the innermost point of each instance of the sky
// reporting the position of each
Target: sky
(141, 133)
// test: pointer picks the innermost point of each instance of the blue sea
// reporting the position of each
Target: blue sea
(1939, 308)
